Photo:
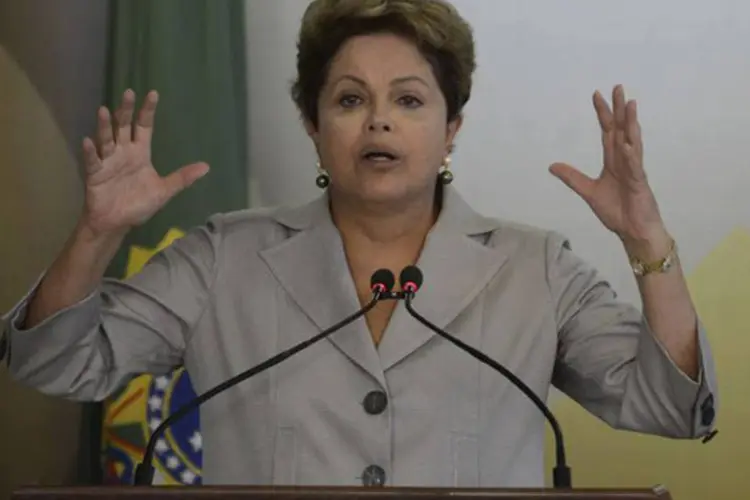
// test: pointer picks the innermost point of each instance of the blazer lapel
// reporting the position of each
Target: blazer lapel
(457, 266)
(311, 267)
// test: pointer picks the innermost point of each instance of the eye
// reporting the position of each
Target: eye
(349, 100)
(409, 101)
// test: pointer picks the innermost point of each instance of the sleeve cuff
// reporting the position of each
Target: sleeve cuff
(21, 345)
(12, 320)
(696, 398)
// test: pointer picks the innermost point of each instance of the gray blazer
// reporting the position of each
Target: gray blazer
(250, 284)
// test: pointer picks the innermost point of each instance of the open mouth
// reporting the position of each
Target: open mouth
(380, 155)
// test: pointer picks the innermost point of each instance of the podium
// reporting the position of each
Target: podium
(329, 493)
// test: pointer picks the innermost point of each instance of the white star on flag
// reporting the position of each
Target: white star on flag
(161, 446)
(162, 382)
(187, 477)
(154, 402)
(196, 441)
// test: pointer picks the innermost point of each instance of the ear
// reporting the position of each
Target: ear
(314, 135)
(312, 131)
(452, 130)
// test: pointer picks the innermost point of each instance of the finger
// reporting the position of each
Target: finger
(633, 128)
(580, 183)
(144, 126)
(620, 139)
(603, 113)
(124, 117)
(607, 124)
(105, 137)
(629, 163)
(90, 157)
(183, 178)
(633, 161)
(618, 103)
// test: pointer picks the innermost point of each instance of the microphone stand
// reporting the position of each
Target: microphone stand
(144, 472)
(561, 476)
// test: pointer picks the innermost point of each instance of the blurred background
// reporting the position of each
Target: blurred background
(223, 69)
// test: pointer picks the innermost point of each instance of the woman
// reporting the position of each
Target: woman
(381, 86)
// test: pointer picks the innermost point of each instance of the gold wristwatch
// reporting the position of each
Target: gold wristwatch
(641, 268)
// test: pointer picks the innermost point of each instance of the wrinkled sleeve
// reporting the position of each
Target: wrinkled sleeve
(611, 363)
(124, 328)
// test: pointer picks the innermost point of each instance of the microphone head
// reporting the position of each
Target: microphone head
(382, 281)
(411, 279)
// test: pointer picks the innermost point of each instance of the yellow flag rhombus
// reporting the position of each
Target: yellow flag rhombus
(139, 256)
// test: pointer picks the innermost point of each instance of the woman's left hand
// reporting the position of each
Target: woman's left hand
(621, 196)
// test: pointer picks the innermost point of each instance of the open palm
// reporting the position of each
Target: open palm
(620, 197)
(123, 189)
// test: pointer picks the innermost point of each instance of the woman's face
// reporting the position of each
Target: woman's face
(382, 130)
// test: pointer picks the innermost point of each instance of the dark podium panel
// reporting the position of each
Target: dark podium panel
(326, 493)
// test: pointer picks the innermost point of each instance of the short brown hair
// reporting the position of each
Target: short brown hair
(443, 37)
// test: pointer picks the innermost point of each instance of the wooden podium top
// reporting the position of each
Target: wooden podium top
(330, 493)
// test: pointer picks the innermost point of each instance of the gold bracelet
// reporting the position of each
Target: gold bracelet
(641, 268)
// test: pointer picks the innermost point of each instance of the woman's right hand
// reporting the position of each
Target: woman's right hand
(123, 189)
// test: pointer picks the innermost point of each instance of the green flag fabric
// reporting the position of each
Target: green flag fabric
(193, 53)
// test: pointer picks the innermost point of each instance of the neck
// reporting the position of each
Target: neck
(377, 238)
(381, 227)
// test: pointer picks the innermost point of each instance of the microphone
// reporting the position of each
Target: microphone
(411, 279)
(381, 283)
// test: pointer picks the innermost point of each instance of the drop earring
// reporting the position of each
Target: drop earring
(444, 174)
(323, 179)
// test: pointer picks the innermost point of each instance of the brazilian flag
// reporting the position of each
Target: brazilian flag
(193, 53)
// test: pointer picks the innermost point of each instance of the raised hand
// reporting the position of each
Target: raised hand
(620, 197)
(123, 189)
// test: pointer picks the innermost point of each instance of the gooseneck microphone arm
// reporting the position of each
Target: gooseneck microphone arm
(382, 282)
(411, 280)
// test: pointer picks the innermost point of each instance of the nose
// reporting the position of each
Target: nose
(379, 125)
(379, 119)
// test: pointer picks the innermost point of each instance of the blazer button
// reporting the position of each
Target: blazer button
(375, 402)
(373, 475)
(708, 412)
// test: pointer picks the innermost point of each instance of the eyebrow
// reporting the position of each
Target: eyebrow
(395, 81)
